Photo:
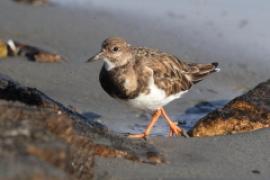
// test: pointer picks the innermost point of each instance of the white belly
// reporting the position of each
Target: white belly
(153, 100)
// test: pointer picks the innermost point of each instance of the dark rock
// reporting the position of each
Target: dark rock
(42, 139)
(248, 112)
(33, 2)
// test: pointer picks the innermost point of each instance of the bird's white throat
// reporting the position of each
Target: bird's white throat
(108, 64)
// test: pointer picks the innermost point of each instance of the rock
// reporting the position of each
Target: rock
(42, 139)
(248, 112)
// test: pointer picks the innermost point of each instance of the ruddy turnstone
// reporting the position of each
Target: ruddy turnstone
(147, 79)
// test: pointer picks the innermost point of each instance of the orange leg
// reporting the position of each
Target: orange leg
(174, 129)
(149, 127)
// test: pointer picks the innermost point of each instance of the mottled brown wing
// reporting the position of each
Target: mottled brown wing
(172, 74)
(168, 71)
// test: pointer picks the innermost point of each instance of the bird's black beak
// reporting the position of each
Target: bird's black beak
(95, 57)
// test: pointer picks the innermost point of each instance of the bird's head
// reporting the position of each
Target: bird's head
(115, 52)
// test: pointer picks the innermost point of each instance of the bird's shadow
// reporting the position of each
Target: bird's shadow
(91, 116)
(192, 115)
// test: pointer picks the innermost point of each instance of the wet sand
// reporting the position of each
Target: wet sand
(242, 156)
(77, 33)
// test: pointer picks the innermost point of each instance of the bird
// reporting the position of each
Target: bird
(147, 79)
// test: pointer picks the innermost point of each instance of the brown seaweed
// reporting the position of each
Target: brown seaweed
(12, 48)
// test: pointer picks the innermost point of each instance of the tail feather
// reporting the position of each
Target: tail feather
(199, 71)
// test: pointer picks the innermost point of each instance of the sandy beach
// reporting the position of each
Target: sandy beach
(199, 32)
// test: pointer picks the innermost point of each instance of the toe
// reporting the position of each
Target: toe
(137, 136)
(185, 134)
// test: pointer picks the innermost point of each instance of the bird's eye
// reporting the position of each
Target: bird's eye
(115, 49)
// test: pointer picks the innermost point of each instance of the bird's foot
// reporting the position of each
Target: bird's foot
(138, 136)
(176, 130)
(149, 127)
